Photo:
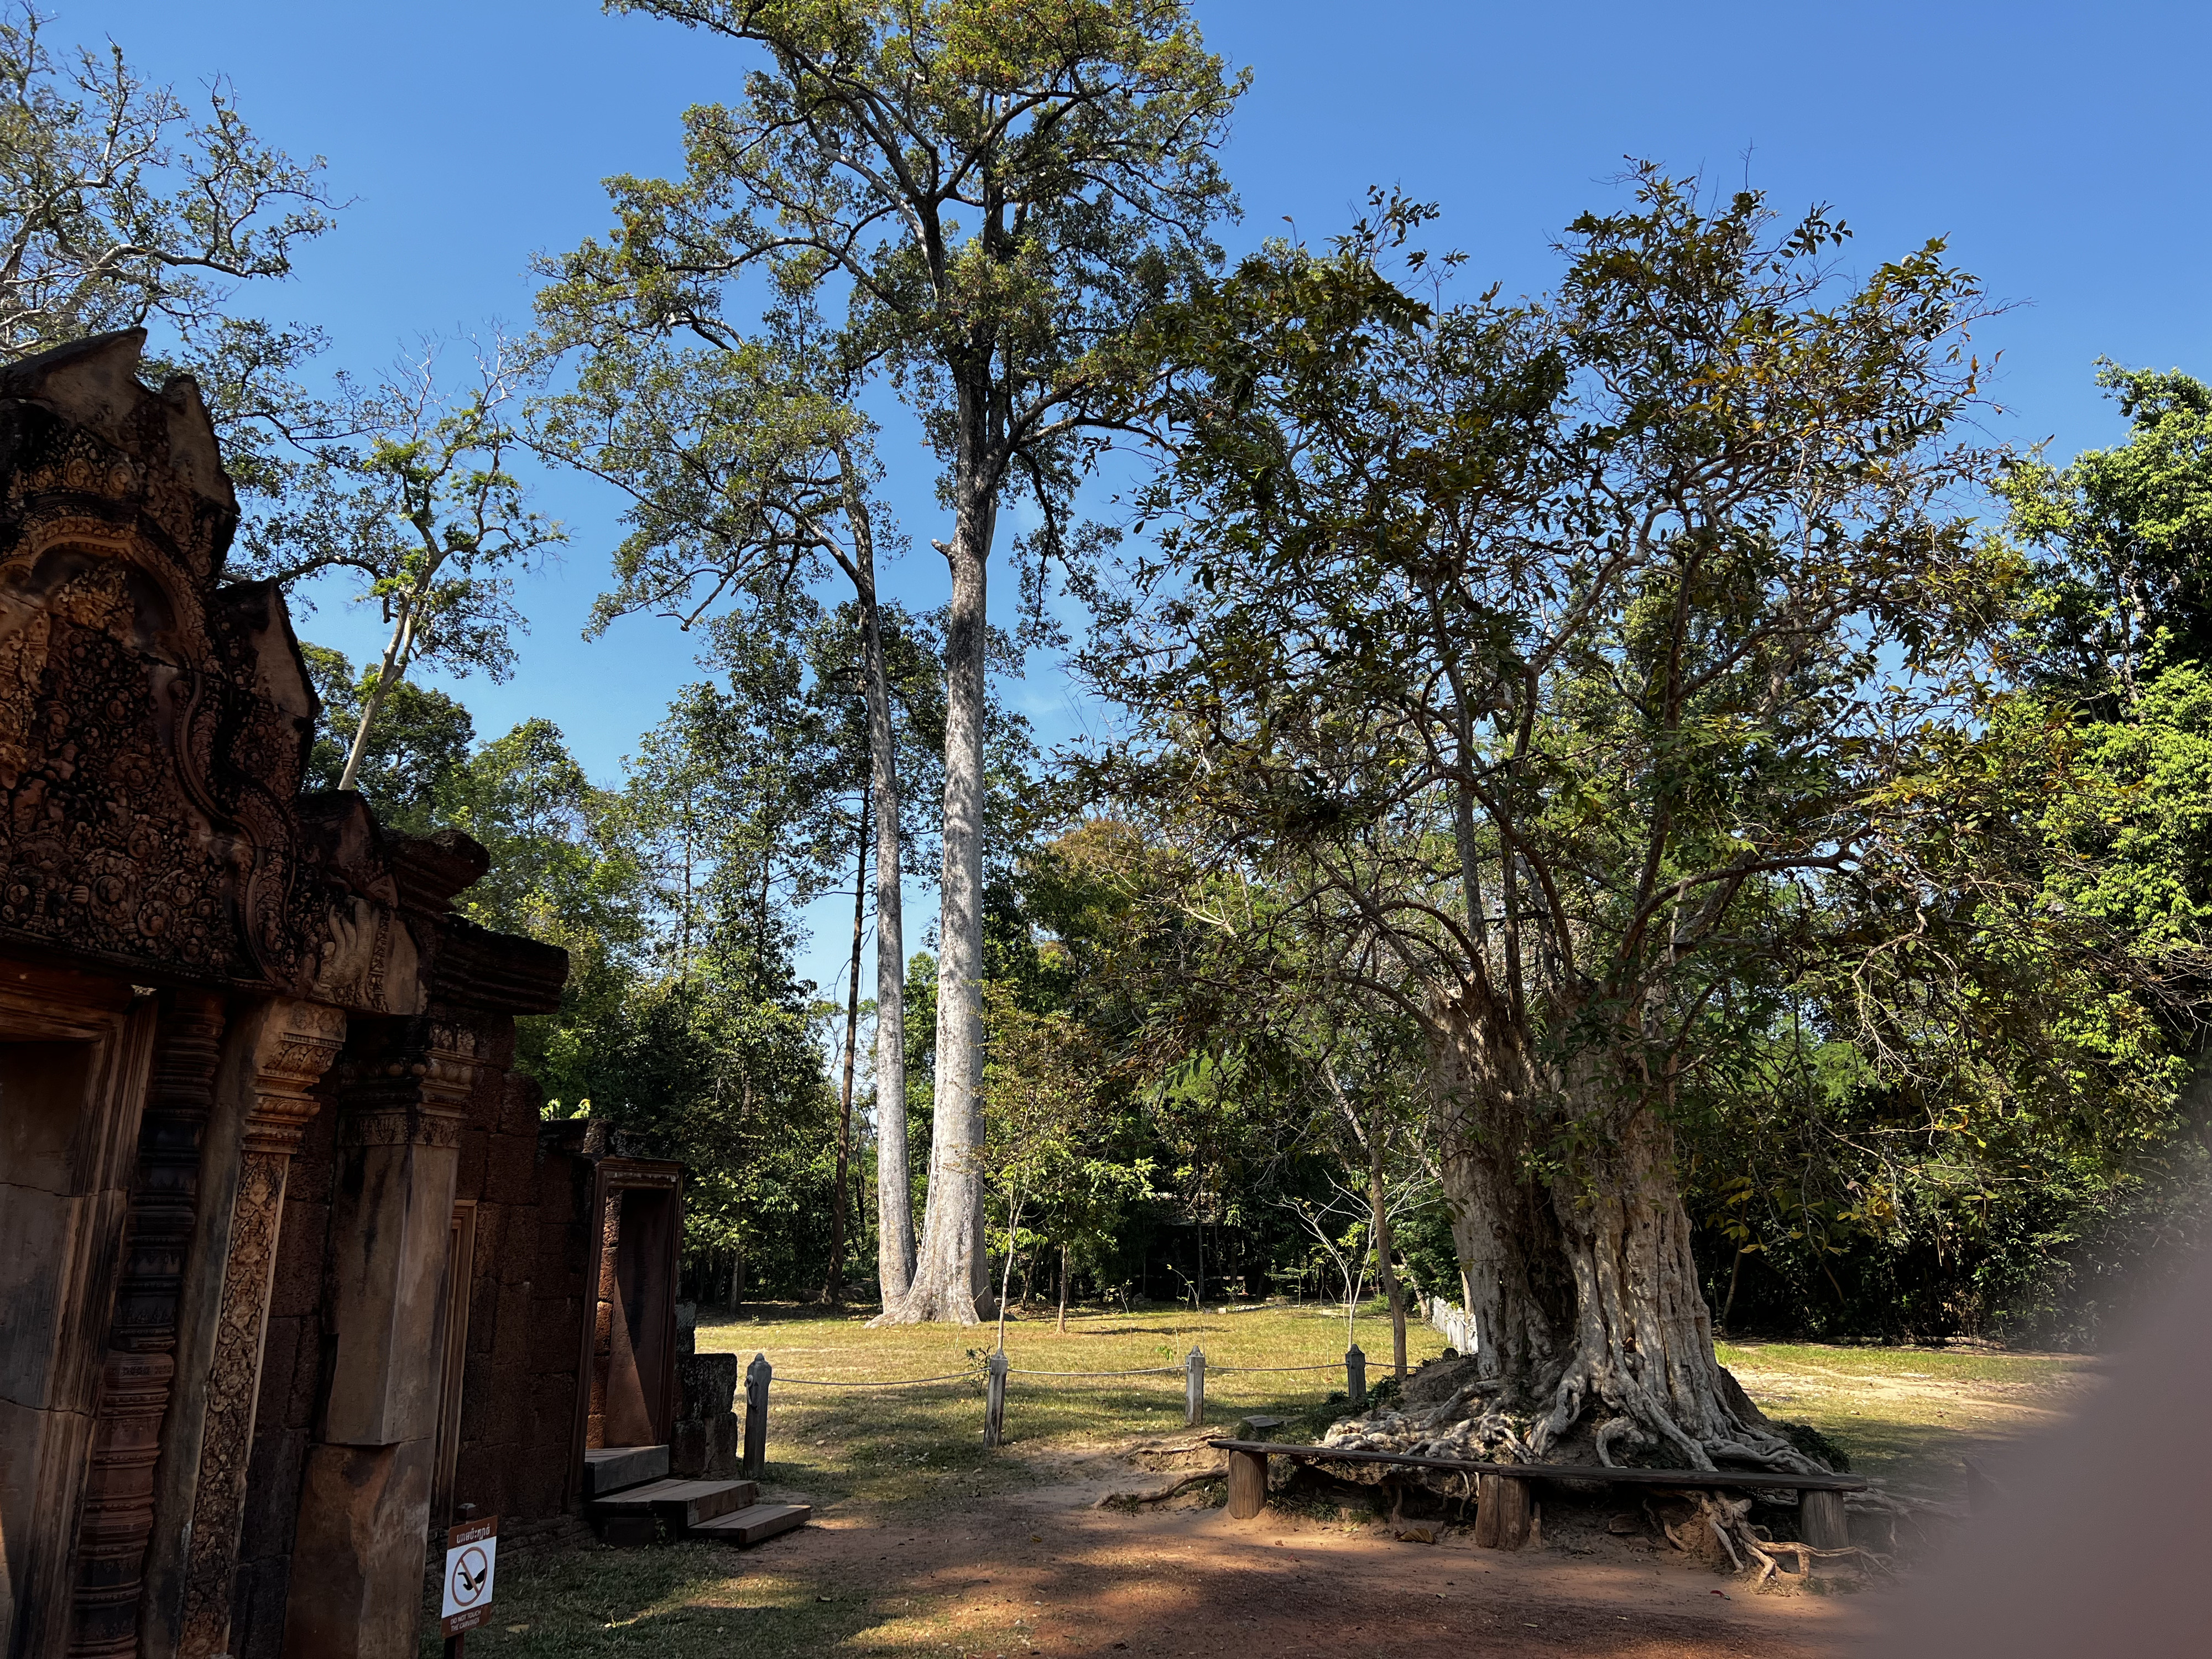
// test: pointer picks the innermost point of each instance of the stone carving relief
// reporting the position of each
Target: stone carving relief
(300, 1043)
(155, 727)
(136, 1383)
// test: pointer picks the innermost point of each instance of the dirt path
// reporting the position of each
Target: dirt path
(1043, 1571)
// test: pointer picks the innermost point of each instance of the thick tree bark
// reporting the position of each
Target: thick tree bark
(833, 1282)
(948, 1282)
(1592, 1331)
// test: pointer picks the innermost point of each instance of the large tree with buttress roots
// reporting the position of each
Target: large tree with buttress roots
(1577, 675)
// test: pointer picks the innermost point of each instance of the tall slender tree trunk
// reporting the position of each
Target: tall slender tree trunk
(949, 1282)
(1063, 1290)
(833, 1284)
(895, 1246)
(398, 653)
(1379, 1216)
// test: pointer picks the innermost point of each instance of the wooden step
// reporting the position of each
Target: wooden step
(682, 1505)
(761, 1521)
(612, 1468)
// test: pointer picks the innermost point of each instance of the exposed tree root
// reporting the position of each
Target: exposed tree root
(1114, 1498)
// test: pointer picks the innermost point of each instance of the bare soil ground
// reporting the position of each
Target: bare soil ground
(1042, 1570)
(1045, 1572)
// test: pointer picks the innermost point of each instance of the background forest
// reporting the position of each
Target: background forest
(1939, 1068)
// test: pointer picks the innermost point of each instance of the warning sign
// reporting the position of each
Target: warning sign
(471, 1553)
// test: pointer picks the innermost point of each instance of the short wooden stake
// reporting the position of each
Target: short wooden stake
(1824, 1520)
(756, 1378)
(1501, 1512)
(1248, 1484)
(994, 1402)
(1194, 1389)
(1355, 1375)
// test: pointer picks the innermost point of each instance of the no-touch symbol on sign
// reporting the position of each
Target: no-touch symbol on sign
(471, 1558)
(472, 1576)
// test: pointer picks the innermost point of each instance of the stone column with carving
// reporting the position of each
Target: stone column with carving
(296, 1047)
(365, 1495)
(117, 1518)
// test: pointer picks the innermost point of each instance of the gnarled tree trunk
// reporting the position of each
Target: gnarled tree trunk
(1592, 1332)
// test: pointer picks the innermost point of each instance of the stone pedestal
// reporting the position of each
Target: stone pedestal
(357, 1558)
(704, 1442)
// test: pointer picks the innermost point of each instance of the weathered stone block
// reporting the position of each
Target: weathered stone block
(511, 1176)
(389, 1225)
(357, 1561)
(706, 1384)
(298, 1287)
(722, 1447)
(688, 1447)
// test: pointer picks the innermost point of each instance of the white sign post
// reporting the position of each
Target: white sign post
(471, 1553)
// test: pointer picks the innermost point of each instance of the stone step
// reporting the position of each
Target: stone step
(612, 1468)
(763, 1521)
(682, 1504)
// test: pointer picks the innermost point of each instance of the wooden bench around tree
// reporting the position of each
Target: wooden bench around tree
(1502, 1494)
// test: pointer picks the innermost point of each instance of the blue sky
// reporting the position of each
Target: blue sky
(2061, 149)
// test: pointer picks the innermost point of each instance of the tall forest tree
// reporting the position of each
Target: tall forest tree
(747, 467)
(1580, 672)
(994, 196)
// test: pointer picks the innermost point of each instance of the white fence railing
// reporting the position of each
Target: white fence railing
(1455, 1322)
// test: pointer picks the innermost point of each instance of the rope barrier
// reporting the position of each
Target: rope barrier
(1255, 1370)
(1018, 1370)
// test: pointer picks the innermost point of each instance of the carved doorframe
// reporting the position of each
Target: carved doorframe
(611, 1177)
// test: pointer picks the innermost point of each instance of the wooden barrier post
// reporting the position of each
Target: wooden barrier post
(1824, 1520)
(1355, 1375)
(1194, 1389)
(757, 1377)
(1501, 1512)
(1248, 1484)
(994, 1402)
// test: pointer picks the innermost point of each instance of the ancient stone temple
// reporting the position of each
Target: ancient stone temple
(289, 1271)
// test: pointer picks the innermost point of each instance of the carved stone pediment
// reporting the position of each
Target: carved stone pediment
(155, 726)
(153, 732)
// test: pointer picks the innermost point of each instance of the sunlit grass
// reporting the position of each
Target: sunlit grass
(1909, 1415)
(924, 1445)
(1942, 1364)
(681, 1601)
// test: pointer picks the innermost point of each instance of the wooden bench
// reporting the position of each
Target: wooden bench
(1502, 1494)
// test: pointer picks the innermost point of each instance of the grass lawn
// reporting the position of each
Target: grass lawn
(924, 1446)
(1907, 1415)
(912, 1459)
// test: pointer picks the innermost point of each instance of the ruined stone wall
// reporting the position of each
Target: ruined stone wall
(526, 1312)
